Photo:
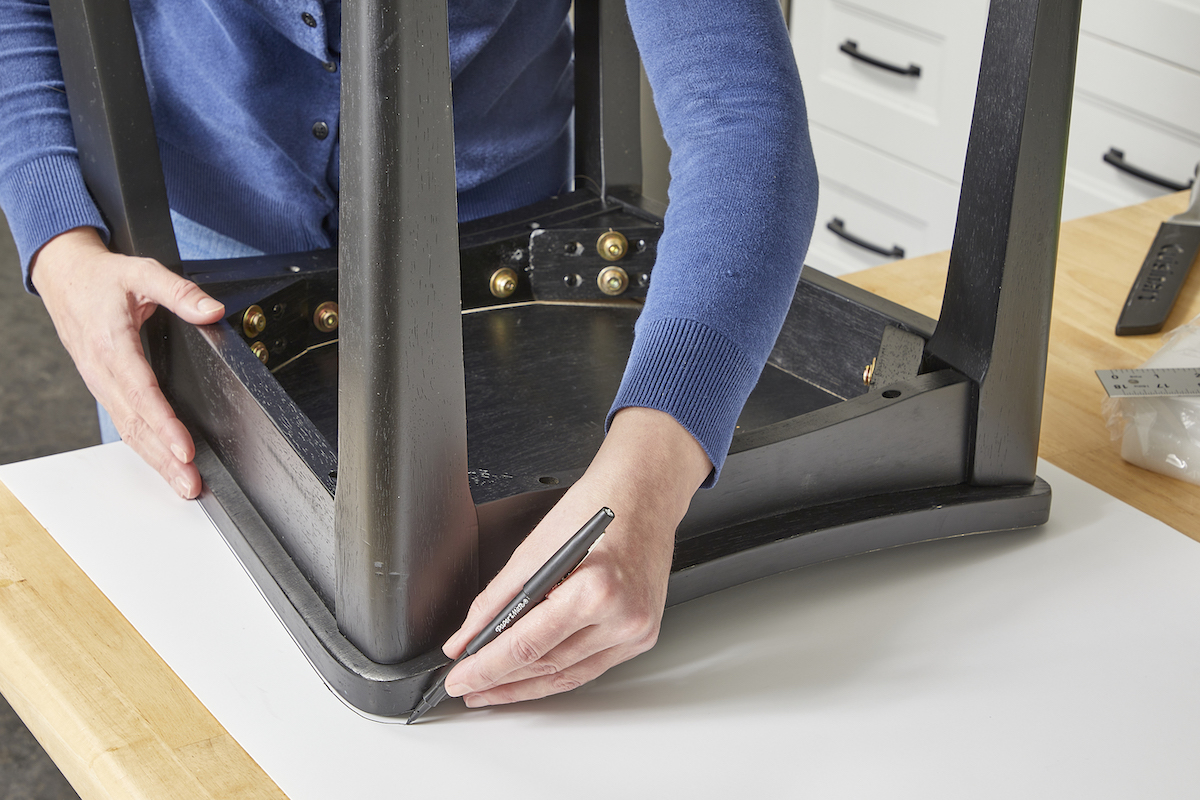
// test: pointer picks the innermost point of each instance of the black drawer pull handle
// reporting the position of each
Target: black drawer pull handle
(839, 227)
(850, 48)
(1117, 159)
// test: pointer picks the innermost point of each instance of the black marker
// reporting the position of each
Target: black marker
(552, 573)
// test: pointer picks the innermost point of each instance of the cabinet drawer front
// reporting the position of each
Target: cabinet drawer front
(1165, 29)
(921, 118)
(939, 17)
(878, 199)
(1097, 126)
(1142, 84)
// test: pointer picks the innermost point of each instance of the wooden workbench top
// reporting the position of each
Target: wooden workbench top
(120, 724)
(108, 710)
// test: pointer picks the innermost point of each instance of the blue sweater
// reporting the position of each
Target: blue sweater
(245, 96)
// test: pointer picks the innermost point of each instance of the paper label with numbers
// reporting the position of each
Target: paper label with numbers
(1144, 382)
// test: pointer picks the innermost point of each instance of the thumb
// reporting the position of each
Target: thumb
(178, 294)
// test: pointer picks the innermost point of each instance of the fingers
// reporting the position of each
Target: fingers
(154, 431)
(551, 683)
(610, 609)
(185, 299)
(580, 658)
(146, 421)
(126, 385)
(523, 650)
(545, 539)
(484, 608)
(607, 611)
(182, 475)
(553, 648)
(98, 301)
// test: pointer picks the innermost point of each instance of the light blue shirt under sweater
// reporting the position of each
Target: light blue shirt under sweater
(245, 96)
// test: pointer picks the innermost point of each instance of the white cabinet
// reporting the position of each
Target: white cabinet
(1137, 101)
(1162, 29)
(882, 202)
(848, 54)
(890, 87)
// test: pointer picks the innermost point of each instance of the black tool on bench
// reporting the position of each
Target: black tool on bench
(1164, 271)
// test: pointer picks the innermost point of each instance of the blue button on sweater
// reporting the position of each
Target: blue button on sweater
(237, 87)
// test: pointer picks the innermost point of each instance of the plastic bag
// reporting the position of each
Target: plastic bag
(1162, 433)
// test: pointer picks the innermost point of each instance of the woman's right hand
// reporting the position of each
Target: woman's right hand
(98, 301)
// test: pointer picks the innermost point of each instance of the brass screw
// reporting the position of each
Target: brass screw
(612, 280)
(612, 246)
(254, 321)
(259, 349)
(503, 282)
(325, 318)
(868, 373)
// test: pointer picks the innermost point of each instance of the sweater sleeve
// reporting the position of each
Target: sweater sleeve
(743, 200)
(41, 189)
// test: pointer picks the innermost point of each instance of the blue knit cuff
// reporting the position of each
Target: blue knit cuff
(44, 198)
(693, 373)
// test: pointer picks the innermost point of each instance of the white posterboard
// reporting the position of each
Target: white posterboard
(1052, 663)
